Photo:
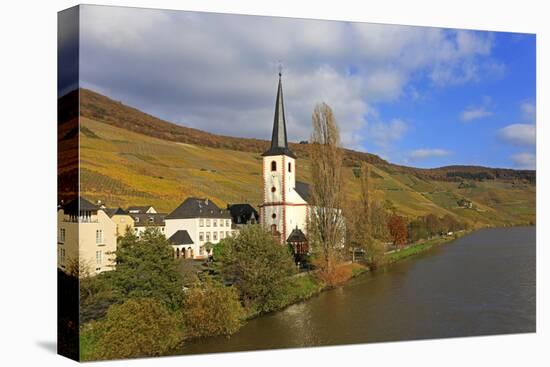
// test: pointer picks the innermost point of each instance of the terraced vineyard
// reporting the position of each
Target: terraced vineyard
(123, 167)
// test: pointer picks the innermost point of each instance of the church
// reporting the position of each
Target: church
(285, 208)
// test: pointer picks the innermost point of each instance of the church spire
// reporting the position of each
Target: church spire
(279, 141)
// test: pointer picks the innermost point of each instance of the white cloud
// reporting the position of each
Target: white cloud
(474, 113)
(528, 111)
(383, 134)
(519, 134)
(524, 160)
(480, 111)
(218, 72)
(425, 153)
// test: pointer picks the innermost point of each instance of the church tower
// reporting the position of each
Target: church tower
(283, 209)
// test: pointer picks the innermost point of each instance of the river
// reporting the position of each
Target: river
(480, 284)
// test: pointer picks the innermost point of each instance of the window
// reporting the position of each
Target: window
(136, 219)
(273, 228)
(201, 236)
(222, 235)
(221, 222)
(201, 250)
(227, 223)
(214, 222)
(61, 255)
(207, 236)
(273, 215)
(215, 236)
(99, 237)
(208, 222)
(151, 220)
(98, 257)
(201, 222)
(273, 166)
(273, 189)
(227, 234)
(289, 167)
(61, 235)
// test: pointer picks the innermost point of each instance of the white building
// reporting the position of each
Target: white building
(285, 201)
(142, 221)
(195, 223)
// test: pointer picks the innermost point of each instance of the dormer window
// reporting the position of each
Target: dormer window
(273, 166)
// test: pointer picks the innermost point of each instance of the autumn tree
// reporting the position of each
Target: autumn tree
(359, 224)
(212, 309)
(379, 217)
(397, 226)
(139, 327)
(433, 225)
(326, 229)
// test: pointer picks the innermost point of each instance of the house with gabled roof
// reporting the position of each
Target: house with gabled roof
(202, 221)
(123, 220)
(143, 209)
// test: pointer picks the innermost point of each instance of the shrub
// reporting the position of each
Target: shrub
(213, 309)
(139, 327)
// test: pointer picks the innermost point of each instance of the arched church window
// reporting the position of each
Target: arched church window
(273, 189)
(273, 215)
(273, 166)
(289, 167)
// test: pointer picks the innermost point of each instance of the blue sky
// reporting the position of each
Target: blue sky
(418, 96)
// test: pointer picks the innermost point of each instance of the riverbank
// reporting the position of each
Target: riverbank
(414, 249)
(304, 286)
(430, 296)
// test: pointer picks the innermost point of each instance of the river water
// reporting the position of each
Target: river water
(480, 284)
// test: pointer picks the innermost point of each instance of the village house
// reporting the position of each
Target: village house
(86, 238)
(123, 220)
(144, 209)
(243, 214)
(195, 225)
(145, 220)
(285, 208)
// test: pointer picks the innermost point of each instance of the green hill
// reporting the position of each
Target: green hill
(131, 158)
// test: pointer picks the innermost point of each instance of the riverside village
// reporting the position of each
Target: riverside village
(88, 231)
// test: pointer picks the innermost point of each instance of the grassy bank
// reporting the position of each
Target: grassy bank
(415, 249)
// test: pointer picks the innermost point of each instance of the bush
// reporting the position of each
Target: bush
(213, 309)
(139, 327)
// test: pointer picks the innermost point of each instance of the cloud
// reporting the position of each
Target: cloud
(420, 154)
(217, 72)
(478, 111)
(524, 160)
(383, 134)
(528, 111)
(474, 113)
(519, 134)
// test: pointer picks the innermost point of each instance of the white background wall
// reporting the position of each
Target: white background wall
(28, 151)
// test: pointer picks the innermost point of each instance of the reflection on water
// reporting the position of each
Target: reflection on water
(481, 284)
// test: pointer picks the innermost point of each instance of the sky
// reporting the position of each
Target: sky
(418, 96)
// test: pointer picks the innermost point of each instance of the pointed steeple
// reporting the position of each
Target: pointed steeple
(279, 141)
